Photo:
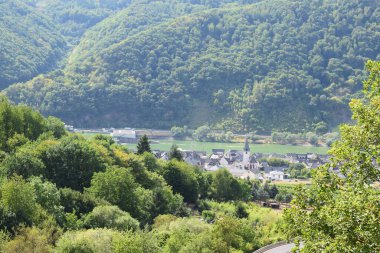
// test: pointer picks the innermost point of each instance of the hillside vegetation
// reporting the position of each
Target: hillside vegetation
(74, 17)
(255, 65)
(29, 43)
(37, 33)
(60, 192)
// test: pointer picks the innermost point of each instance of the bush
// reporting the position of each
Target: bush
(49, 197)
(139, 242)
(241, 211)
(208, 215)
(77, 202)
(110, 217)
(29, 240)
(89, 241)
(181, 176)
(18, 202)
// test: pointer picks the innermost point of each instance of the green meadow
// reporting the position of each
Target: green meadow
(255, 148)
(165, 145)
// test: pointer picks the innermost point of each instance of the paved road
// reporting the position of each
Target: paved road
(281, 249)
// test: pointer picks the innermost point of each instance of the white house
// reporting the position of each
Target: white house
(276, 175)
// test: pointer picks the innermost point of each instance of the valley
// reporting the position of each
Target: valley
(189, 126)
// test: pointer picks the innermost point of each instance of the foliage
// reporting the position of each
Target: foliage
(281, 193)
(18, 123)
(293, 139)
(4, 238)
(74, 17)
(88, 241)
(182, 178)
(298, 170)
(30, 43)
(18, 203)
(175, 153)
(55, 126)
(241, 211)
(29, 240)
(204, 133)
(24, 163)
(101, 196)
(143, 145)
(225, 187)
(110, 217)
(341, 213)
(49, 197)
(72, 162)
(275, 162)
(208, 215)
(201, 133)
(140, 242)
(77, 202)
(252, 65)
(180, 132)
(117, 186)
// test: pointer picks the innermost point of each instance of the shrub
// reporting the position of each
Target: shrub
(110, 217)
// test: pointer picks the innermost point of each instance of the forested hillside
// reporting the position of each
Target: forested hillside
(35, 34)
(74, 17)
(261, 65)
(29, 43)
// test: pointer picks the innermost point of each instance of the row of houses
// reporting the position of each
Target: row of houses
(240, 163)
(243, 164)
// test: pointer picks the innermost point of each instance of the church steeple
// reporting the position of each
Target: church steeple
(246, 145)
(246, 153)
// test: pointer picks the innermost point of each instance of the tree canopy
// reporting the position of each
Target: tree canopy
(143, 145)
(262, 65)
(340, 212)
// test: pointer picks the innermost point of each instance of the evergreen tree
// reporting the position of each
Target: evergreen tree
(175, 153)
(143, 145)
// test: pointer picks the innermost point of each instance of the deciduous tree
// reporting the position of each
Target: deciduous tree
(342, 213)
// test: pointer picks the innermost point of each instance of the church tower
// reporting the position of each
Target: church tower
(246, 154)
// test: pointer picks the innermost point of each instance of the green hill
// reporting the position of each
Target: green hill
(277, 64)
(29, 43)
(74, 17)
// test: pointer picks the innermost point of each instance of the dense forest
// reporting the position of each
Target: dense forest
(36, 34)
(74, 17)
(238, 65)
(29, 43)
(60, 192)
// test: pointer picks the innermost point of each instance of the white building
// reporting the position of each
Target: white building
(124, 135)
(276, 175)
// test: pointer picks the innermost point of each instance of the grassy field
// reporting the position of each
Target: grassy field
(255, 148)
(208, 146)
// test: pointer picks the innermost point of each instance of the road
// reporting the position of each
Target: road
(281, 249)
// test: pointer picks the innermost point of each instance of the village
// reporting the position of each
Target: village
(245, 163)
(249, 165)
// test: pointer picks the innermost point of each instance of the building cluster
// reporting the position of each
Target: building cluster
(241, 163)
(244, 164)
